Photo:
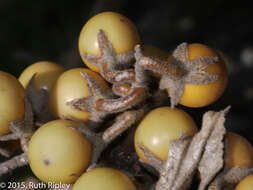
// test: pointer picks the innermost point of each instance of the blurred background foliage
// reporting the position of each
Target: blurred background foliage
(32, 31)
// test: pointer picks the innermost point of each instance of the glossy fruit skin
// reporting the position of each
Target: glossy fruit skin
(196, 96)
(240, 151)
(12, 105)
(47, 73)
(159, 128)
(71, 85)
(245, 184)
(58, 153)
(121, 32)
(104, 178)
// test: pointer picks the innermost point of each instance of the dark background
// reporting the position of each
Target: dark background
(32, 31)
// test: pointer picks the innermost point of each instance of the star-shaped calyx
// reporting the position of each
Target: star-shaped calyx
(179, 71)
(121, 61)
(203, 152)
(88, 104)
(129, 84)
(112, 69)
(101, 103)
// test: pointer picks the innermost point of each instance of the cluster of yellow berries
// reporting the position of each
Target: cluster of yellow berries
(58, 153)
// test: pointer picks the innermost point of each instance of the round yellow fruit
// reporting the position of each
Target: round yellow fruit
(69, 86)
(205, 94)
(12, 104)
(104, 178)
(58, 153)
(121, 32)
(245, 184)
(159, 128)
(239, 151)
(47, 73)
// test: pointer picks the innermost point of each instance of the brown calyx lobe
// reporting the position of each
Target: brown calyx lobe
(137, 95)
(161, 67)
(203, 151)
(121, 89)
(114, 76)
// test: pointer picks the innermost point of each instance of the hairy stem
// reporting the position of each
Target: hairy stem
(122, 123)
(11, 136)
(15, 162)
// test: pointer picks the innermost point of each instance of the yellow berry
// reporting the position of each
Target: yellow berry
(69, 86)
(245, 184)
(104, 178)
(12, 106)
(239, 151)
(58, 153)
(205, 94)
(159, 128)
(47, 73)
(121, 32)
